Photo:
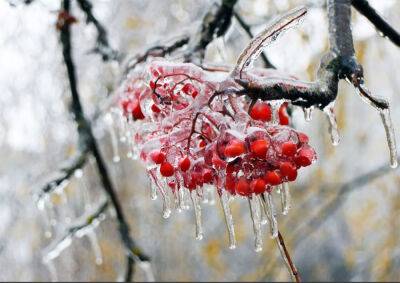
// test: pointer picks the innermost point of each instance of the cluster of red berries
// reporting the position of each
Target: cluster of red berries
(193, 142)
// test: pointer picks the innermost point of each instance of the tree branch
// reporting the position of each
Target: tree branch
(380, 24)
(103, 46)
(287, 258)
(215, 24)
(86, 137)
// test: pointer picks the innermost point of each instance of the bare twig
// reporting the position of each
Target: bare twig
(72, 231)
(157, 51)
(103, 46)
(215, 24)
(64, 173)
(287, 258)
(86, 137)
(369, 12)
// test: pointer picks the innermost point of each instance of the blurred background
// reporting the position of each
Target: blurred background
(343, 224)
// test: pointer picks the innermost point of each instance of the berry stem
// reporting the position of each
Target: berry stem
(287, 258)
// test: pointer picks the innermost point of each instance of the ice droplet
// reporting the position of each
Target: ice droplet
(146, 267)
(96, 247)
(308, 113)
(52, 270)
(391, 139)
(197, 212)
(224, 198)
(268, 206)
(57, 249)
(333, 128)
(255, 213)
(285, 198)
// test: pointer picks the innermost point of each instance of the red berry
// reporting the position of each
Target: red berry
(234, 148)
(305, 157)
(259, 148)
(242, 187)
(288, 170)
(152, 85)
(261, 111)
(172, 184)
(230, 184)
(289, 148)
(166, 169)
(273, 178)
(207, 176)
(283, 116)
(184, 164)
(218, 162)
(303, 138)
(258, 186)
(157, 156)
(195, 93)
(136, 110)
(155, 108)
(187, 88)
(202, 143)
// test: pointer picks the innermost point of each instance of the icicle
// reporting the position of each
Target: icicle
(146, 267)
(60, 246)
(308, 113)
(365, 94)
(285, 198)
(270, 212)
(52, 270)
(197, 212)
(391, 139)
(255, 213)
(166, 203)
(224, 198)
(209, 197)
(96, 247)
(114, 141)
(153, 187)
(333, 129)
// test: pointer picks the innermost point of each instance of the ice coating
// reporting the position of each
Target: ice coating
(199, 140)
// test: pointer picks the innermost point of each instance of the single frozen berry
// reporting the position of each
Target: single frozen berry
(202, 143)
(273, 178)
(234, 148)
(283, 116)
(207, 175)
(259, 148)
(257, 186)
(261, 111)
(304, 157)
(288, 170)
(166, 169)
(303, 138)
(289, 148)
(242, 187)
(157, 156)
(184, 164)
(155, 108)
(137, 113)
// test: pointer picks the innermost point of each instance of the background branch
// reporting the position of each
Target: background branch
(380, 24)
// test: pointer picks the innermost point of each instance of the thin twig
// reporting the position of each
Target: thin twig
(287, 258)
(384, 27)
(215, 24)
(103, 47)
(86, 137)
